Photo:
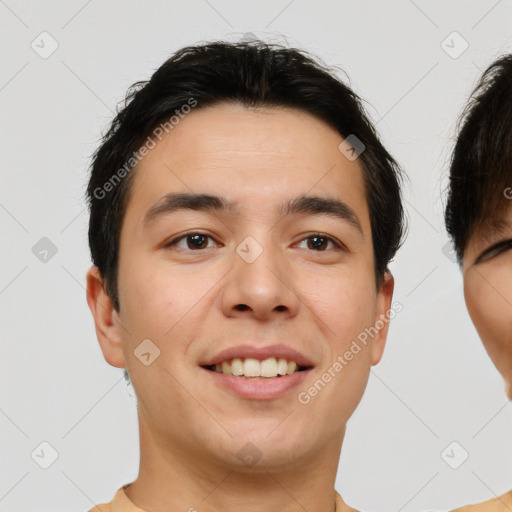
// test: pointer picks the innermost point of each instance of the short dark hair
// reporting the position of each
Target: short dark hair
(481, 163)
(254, 74)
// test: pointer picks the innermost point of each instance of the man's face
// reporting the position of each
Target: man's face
(487, 267)
(209, 286)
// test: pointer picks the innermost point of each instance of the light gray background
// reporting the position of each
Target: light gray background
(435, 384)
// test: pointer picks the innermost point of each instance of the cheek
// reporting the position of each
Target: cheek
(166, 306)
(344, 303)
(156, 298)
(488, 295)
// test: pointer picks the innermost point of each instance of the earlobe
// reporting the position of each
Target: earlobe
(382, 317)
(106, 319)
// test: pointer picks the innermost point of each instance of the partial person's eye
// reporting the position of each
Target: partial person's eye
(319, 241)
(494, 250)
(194, 241)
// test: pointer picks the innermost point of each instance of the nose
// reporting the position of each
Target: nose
(260, 288)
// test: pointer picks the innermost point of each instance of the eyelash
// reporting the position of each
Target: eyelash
(174, 241)
(494, 250)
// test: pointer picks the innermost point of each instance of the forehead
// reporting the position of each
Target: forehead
(253, 154)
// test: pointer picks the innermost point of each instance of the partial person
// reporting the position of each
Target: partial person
(479, 220)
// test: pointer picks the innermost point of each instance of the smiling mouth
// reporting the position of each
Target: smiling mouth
(251, 368)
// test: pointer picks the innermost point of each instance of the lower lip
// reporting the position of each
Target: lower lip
(259, 388)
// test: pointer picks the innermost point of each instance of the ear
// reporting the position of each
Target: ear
(382, 316)
(106, 319)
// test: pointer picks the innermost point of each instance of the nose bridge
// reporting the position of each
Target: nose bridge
(258, 282)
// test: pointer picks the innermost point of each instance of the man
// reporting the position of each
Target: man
(479, 220)
(243, 215)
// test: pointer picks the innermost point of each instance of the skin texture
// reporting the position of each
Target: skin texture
(488, 294)
(188, 302)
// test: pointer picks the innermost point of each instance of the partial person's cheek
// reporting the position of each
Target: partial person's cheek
(487, 292)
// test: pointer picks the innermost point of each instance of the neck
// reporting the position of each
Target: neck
(171, 478)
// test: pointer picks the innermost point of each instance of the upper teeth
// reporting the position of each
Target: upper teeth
(249, 367)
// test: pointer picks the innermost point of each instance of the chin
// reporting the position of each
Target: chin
(269, 458)
(259, 451)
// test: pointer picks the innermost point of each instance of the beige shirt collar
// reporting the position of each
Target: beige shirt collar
(121, 503)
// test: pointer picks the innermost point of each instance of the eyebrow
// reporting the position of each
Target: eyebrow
(302, 205)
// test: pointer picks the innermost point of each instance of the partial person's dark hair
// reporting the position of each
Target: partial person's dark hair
(254, 74)
(481, 163)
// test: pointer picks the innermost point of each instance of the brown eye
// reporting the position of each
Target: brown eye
(319, 242)
(193, 241)
(197, 241)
